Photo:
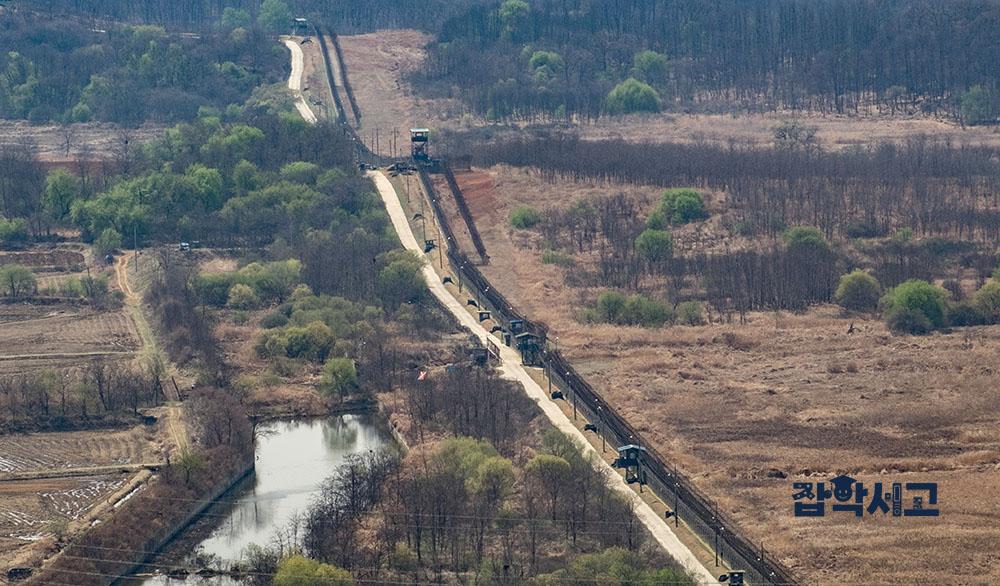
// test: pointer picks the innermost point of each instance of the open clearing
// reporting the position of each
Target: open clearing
(737, 407)
(81, 449)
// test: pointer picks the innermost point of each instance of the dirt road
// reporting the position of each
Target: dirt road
(295, 80)
(511, 369)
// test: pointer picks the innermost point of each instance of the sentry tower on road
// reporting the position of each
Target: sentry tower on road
(418, 143)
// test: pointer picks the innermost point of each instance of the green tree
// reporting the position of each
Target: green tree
(301, 571)
(274, 16)
(235, 18)
(912, 299)
(650, 67)
(108, 242)
(62, 188)
(401, 279)
(301, 172)
(340, 377)
(987, 301)
(17, 280)
(690, 313)
(654, 246)
(631, 96)
(977, 106)
(858, 291)
(546, 65)
(515, 17)
(550, 474)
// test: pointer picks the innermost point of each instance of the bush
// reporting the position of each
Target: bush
(242, 297)
(858, 291)
(13, 230)
(904, 320)
(996, 274)
(609, 306)
(274, 320)
(682, 206)
(525, 217)
(918, 296)
(554, 257)
(637, 310)
(654, 246)
(300, 571)
(987, 301)
(690, 313)
(108, 242)
(805, 238)
(631, 96)
(965, 313)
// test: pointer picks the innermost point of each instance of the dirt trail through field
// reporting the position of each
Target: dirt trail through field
(174, 412)
(511, 369)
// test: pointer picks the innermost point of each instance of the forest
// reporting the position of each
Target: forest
(63, 71)
(524, 59)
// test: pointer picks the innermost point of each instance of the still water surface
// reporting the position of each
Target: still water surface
(293, 460)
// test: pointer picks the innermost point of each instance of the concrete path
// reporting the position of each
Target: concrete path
(295, 80)
(512, 369)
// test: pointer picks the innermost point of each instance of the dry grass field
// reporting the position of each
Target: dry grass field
(740, 406)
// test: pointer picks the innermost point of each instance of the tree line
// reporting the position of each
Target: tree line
(64, 71)
(522, 59)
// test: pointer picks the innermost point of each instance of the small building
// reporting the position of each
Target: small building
(300, 26)
(530, 347)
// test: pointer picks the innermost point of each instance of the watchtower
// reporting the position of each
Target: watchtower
(418, 143)
(630, 457)
(530, 347)
(300, 26)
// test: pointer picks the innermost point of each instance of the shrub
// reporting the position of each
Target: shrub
(13, 230)
(965, 313)
(609, 306)
(654, 246)
(242, 297)
(108, 242)
(682, 206)
(858, 291)
(918, 296)
(632, 95)
(300, 571)
(525, 217)
(904, 320)
(646, 312)
(339, 377)
(274, 320)
(690, 313)
(996, 274)
(805, 238)
(554, 257)
(987, 301)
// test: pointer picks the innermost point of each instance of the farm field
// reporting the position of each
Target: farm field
(59, 481)
(748, 409)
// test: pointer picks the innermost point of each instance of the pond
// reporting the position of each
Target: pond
(293, 459)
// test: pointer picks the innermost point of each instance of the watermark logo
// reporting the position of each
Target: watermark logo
(847, 495)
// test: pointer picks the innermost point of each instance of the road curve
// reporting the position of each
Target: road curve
(295, 81)
(512, 369)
